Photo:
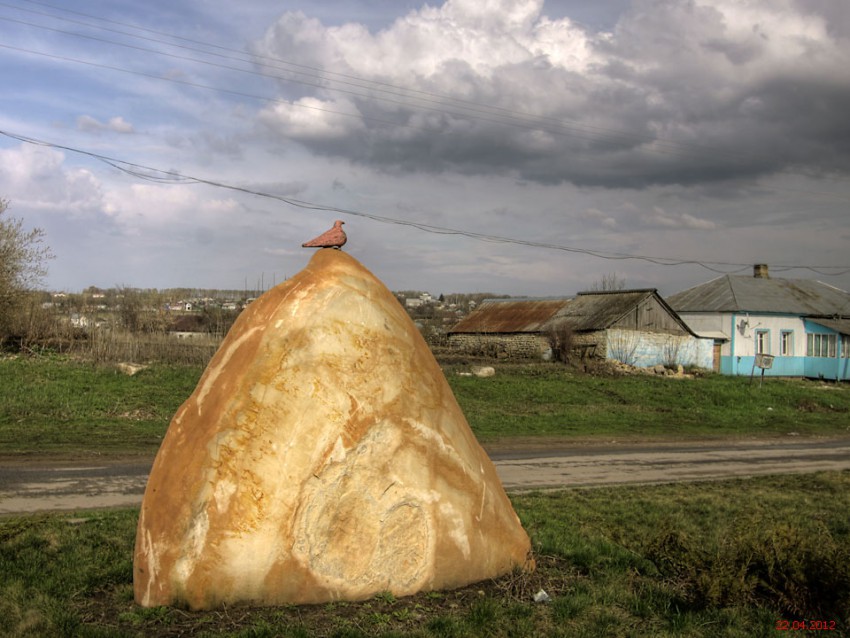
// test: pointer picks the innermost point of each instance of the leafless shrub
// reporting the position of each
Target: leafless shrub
(561, 341)
(671, 350)
(622, 346)
(113, 346)
(29, 326)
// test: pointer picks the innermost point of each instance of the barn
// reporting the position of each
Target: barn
(636, 327)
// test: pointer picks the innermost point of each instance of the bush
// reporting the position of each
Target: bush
(799, 573)
(23, 257)
(29, 327)
(561, 341)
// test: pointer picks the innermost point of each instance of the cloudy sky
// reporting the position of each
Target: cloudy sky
(198, 143)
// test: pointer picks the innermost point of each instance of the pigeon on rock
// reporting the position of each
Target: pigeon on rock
(333, 238)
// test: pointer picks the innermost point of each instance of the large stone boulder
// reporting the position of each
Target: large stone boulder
(321, 457)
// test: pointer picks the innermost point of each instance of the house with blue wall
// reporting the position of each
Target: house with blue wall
(802, 325)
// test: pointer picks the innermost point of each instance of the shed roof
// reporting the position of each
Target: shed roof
(737, 293)
(588, 311)
(841, 326)
(601, 310)
(510, 315)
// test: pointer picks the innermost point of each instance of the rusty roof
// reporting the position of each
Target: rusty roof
(510, 315)
(587, 311)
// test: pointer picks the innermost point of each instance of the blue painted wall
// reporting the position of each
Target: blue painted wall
(834, 368)
(782, 366)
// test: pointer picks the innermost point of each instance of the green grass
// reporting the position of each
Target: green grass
(53, 405)
(549, 400)
(56, 405)
(729, 559)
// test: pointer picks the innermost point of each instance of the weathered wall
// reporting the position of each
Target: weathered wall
(512, 346)
(629, 346)
(651, 348)
(650, 316)
(589, 345)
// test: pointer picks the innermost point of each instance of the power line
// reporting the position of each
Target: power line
(175, 177)
(198, 85)
(326, 74)
(469, 109)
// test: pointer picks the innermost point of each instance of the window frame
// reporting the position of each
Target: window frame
(762, 337)
(786, 343)
(821, 345)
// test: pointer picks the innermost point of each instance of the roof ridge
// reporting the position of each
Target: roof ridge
(732, 290)
(616, 292)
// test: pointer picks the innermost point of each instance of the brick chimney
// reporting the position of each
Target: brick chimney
(760, 271)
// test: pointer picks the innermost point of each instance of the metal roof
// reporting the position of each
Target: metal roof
(510, 315)
(588, 311)
(600, 310)
(736, 293)
(841, 326)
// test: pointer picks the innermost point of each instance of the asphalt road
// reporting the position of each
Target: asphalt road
(42, 485)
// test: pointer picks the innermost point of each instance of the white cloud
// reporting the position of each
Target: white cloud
(676, 93)
(155, 207)
(312, 119)
(598, 217)
(662, 218)
(696, 129)
(37, 178)
(115, 124)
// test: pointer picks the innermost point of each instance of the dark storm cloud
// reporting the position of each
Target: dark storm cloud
(677, 93)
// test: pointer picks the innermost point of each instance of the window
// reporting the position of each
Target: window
(762, 342)
(845, 346)
(820, 345)
(786, 343)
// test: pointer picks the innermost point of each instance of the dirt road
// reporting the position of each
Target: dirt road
(38, 484)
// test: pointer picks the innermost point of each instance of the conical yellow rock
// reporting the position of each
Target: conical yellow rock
(321, 457)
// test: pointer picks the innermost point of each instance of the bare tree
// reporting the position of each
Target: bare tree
(609, 281)
(23, 257)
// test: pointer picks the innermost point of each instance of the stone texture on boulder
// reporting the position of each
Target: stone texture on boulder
(321, 457)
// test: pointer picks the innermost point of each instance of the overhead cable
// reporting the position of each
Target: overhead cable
(175, 177)
(425, 100)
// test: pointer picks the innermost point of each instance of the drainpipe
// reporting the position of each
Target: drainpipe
(733, 358)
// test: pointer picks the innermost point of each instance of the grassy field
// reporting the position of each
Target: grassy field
(52, 405)
(736, 558)
(549, 400)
